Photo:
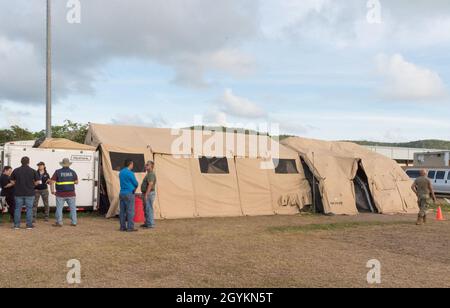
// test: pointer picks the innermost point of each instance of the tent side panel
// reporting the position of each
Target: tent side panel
(339, 196)
(174, 187)
(290, 192)
(254, 187)
(216, 195)
(410, 205)
(112, 184)
(385, 194)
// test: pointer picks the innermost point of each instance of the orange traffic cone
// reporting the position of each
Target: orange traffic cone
(440, 216)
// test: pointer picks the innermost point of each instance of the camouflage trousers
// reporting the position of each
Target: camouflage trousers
(424, 204)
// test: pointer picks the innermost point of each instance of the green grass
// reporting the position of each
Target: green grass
(335, 226)
(444, 205)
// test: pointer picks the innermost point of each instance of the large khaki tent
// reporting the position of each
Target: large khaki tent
(63, 144)
(351, 178)
(202, 173)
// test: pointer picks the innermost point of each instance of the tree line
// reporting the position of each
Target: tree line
(69, 130)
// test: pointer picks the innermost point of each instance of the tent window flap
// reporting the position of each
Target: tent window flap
(214, 165)
(118, 161)
(285, 166)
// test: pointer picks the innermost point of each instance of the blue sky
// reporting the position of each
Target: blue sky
(319, 69)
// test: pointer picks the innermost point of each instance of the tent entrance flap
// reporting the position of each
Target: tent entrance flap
(363, 197)
(315, 187)
(103, 204)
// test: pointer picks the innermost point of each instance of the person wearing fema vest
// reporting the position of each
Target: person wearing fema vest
(64, 180)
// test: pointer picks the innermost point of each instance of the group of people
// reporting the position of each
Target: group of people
(25, 186)
(128, 187)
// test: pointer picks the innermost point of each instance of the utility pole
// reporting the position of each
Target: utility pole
(48, 120)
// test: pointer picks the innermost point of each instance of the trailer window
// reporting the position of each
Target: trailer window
(413, 174)
(431, 175)
(118, 161)
(448, 177)
(214, 165)
(440, 175)
(285, 166)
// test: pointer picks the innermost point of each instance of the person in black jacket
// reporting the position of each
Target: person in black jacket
(25, 180)
(8, 190)
(41, 191)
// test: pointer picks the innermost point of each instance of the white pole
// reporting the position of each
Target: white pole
(48, 120)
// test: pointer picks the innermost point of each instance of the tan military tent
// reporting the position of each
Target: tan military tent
(344, 169)
(63, 144)
(202, 173)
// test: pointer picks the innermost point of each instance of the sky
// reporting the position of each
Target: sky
(330, 69)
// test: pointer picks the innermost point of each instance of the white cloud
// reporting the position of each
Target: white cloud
(343, 24)
(404, 80)
(12, 117)
(141, 120)
(233, 61)
(21, 74)
(193, 37)
(215, 117)
(234, 105)
(277, 15)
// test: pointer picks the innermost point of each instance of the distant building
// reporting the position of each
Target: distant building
(406, 156)
(432, 159)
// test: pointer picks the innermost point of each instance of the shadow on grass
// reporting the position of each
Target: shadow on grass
(335, 226)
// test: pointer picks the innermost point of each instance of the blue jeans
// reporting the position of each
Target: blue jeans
(71, 202)
(27, 202)
(126, 215)
(149, 213)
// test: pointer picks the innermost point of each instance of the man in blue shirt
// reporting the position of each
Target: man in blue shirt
(128, 185)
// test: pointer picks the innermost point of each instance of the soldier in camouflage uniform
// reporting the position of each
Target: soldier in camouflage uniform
(424, 191)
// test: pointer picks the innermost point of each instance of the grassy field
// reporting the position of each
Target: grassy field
(277, 251)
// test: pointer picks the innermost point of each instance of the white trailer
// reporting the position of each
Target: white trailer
(85, 164)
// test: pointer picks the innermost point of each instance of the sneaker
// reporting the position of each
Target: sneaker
(133, 230)
(16, 228)
(145, 227)
(30, 228)
(73, 225)
(123, 230)
(57, 225)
